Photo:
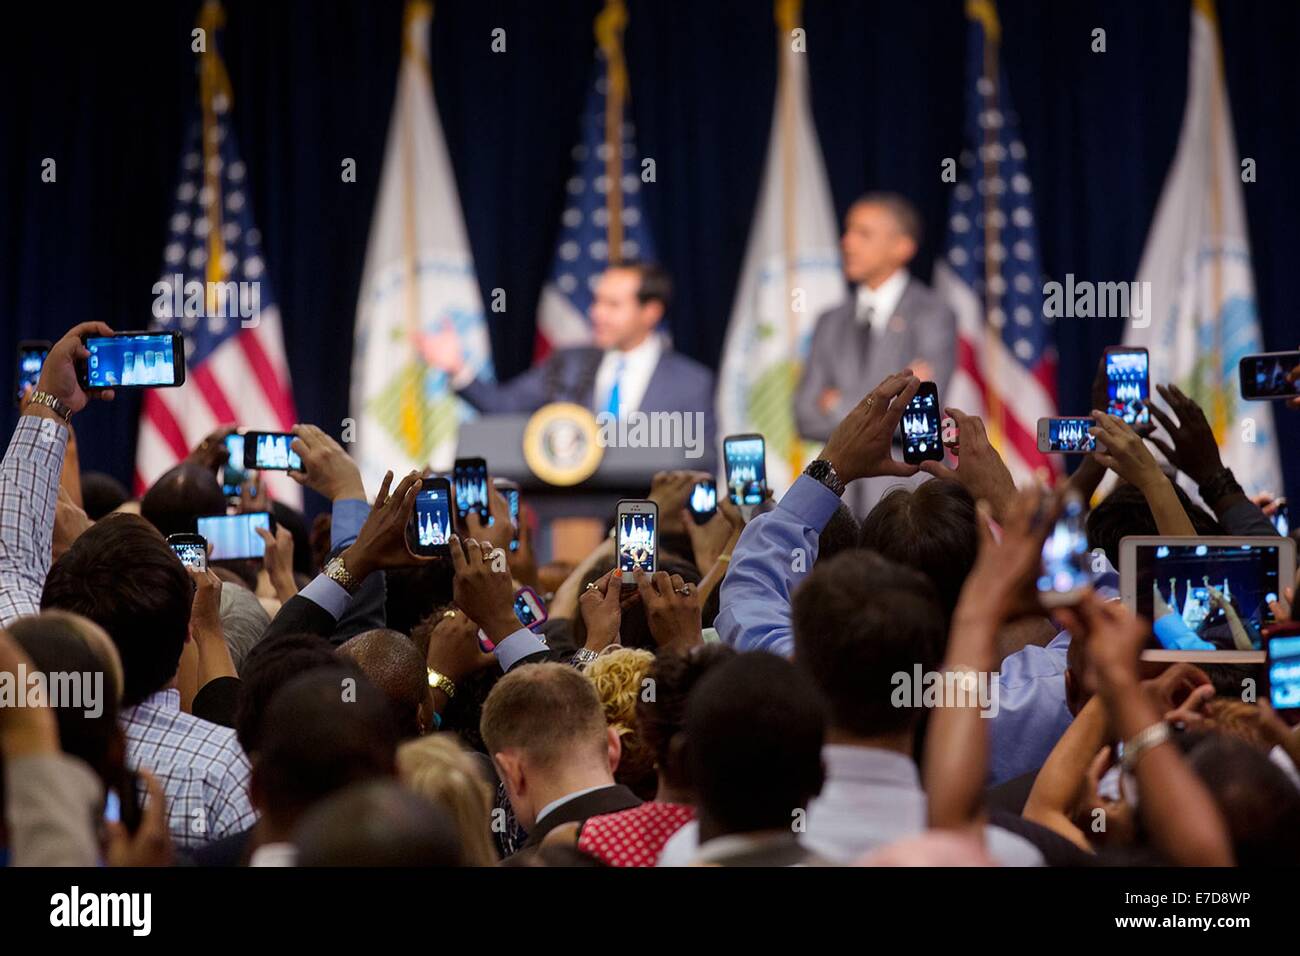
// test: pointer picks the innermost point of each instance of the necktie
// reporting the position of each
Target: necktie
(612, 405)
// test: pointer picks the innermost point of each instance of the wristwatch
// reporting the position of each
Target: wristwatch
(1141, 742)
(50, 402)
(441, 682)
(338, 572)
(819, 469)
(1219, 485)
(583, 657)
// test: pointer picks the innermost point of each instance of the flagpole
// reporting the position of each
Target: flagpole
(214, 82)
(1218, 403)
(787, 20)
(609, 27)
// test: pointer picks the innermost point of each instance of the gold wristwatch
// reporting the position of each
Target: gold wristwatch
(338, 572)
(50, 402)
(441, 682)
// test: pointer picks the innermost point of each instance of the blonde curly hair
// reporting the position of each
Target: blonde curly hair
(619, 677)
(438, 767)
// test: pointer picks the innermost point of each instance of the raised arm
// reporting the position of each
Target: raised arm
(1125, 454)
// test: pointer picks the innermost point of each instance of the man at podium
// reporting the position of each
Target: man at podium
(629, 369)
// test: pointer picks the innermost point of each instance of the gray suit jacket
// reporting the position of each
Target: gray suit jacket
(853, 359)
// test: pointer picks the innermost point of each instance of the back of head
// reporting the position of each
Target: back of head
(440, 769)
(859, 620)
(270, 665)
(101, 494)
(378, 823)
(180, 497)
(121, 574)
(842, 533)
(392, 663)
(1125, 512)
(754, 732)
(548, 712)
(619, 678)
(661, 716)
(325, 730)
(1259, 802)
(411, 594)
(930, 528)
(243, 622)
(80, 686)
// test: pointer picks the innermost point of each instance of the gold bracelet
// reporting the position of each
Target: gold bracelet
(724, 558)
(441, 682)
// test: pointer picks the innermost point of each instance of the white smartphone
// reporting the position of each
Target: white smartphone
(637, 537)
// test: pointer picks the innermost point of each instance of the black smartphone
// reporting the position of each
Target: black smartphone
(469, 478)
(133, 360)
(1263, 376)
(703, 503)
(1069, 436)
(31, 356)
(918, 429)
(1128, 384)
(233, 537)
(510, 491)
(192, 549)
(270, 451)
(637, 539)
(123, 803)
(1281, 518)
(746, 460)
(429, 532)
(233, 475)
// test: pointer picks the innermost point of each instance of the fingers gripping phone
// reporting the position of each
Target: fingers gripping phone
(918, 429)
(636, 538)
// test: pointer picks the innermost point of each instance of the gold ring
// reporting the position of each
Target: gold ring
(446, 614)
(591, 586)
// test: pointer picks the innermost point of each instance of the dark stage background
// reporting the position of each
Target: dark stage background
(105, 89)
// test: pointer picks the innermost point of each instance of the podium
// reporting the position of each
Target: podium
(622, 473)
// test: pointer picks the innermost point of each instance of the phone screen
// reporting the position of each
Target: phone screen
(528, 608)
(470, 479)
(233, 474)
(1070, 435)
(1188, 590)
(1284, 673)
(232, 536)
(703, 502)
(125, 361)
(1128, 385)
(432, 519)
(193, 554)
(746, 469)
(30, 360)
(919, 426)
(1264, 376)
(512, 500)
(637, 542)
(1281, 519)
(1065, 568)
(271, 451)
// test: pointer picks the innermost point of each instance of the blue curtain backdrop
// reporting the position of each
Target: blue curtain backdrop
(104, 91)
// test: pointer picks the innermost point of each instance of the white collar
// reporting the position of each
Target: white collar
(556, 804)
(883, 299)
(647, 352)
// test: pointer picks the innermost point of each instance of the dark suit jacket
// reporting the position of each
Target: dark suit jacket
(678, 384)
(853, 360)
(365, 612)
(609, 799)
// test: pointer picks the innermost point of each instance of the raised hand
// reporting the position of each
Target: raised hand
(59, 373)
(326, 467)
(861, 445)
(979, 466)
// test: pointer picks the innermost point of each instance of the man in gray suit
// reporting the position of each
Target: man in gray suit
(892, 321)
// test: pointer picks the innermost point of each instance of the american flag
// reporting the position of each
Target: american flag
(214, 268)
(991, 272)
(603, 222)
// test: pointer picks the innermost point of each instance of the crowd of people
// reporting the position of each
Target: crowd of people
(336, 702)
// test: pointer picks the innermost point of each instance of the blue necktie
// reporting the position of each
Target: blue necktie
(612, 405)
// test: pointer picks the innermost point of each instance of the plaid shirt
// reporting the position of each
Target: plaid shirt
(200, 765)
(29, 486)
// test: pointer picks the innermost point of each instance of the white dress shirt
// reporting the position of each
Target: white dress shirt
(873, 797)
(881, 301)
(638, 366)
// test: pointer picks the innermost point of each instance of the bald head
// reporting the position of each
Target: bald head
(393, 664)
(180, 497)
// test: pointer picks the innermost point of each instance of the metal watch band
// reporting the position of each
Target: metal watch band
(441, 682)
(1141, 742)
(338, 572)
(583, 657)
(821, 470)
(50, 402)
